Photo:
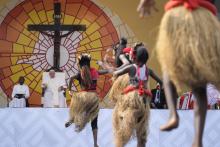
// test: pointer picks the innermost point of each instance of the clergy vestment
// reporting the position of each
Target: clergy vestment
(53, 95)
(19, 95)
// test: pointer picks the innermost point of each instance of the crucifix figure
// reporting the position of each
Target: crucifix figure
(56, 28)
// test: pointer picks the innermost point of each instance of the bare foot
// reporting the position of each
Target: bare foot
(172, 123)
(96, 145)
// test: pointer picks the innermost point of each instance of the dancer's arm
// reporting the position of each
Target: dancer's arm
(104, 71)
(155, 76)
(124, 60)
(127, 69)
(145, 7)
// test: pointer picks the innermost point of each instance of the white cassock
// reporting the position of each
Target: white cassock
(19, 89)
(53, 96)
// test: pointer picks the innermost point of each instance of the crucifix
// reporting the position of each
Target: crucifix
(56, 28)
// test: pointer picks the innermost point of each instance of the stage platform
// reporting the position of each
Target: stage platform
(37, 127)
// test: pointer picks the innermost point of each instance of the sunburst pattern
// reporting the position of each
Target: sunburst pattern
(25, 53)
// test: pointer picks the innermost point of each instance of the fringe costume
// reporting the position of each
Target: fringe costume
(85, 104)
(132, 111)
(189, 42)
(84, 108)
(131, 118)
(117, 87)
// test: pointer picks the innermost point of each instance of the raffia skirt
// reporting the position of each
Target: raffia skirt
(85, 102)
(188, 47)
(117, 88)
(131, 107)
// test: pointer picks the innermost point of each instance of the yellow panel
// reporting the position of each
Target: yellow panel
(30, 77)
(95, 36)
(33, 84)
(16, 68)
(84, 41)
(28, 69)
(26, 65)
(27, 81)
(26, 32)
(15, 77)
(28, 49)
(81, 48)
(92, 28)
(68, 19)
(38, 77)
(24, 40)
(85, 22)
(50, 16)
(88, 46)
(96, 44)
(77, 21)
(42, 15)
(33, 15)
(38, 87)
(32, 35)
(94, 65)
(28, 22)
(18, 48)
(96, 55)
(32, 44)
(35, 73)
(84, 35)
(14, 60)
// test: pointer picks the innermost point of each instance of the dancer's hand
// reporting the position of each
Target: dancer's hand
(114, 76)
(145, 7)
(100, 63)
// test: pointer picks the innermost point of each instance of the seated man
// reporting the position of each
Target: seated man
(54, 87)
(158, 100)
(20, 94)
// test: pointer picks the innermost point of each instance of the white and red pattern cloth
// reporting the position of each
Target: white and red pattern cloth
(186, 101)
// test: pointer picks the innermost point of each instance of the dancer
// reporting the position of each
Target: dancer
(120, 58)
(85, 104)
(189, 42)
(123, 81)
(131, 113)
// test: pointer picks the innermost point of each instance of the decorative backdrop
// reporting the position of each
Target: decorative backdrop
(25, 53)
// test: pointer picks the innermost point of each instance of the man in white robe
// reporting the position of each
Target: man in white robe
(19, 94)
(54, 90)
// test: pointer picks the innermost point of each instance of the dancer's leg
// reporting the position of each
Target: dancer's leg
(95, 131)
(200, 114)
(171, 98)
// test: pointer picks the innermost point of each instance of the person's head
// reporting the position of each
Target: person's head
(134, 51)
(84, 64)
(118, 50)
(21, 80)
(84, 60)
(141, 56)
(52, 73)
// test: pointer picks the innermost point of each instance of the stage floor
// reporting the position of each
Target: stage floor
(37, 127)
